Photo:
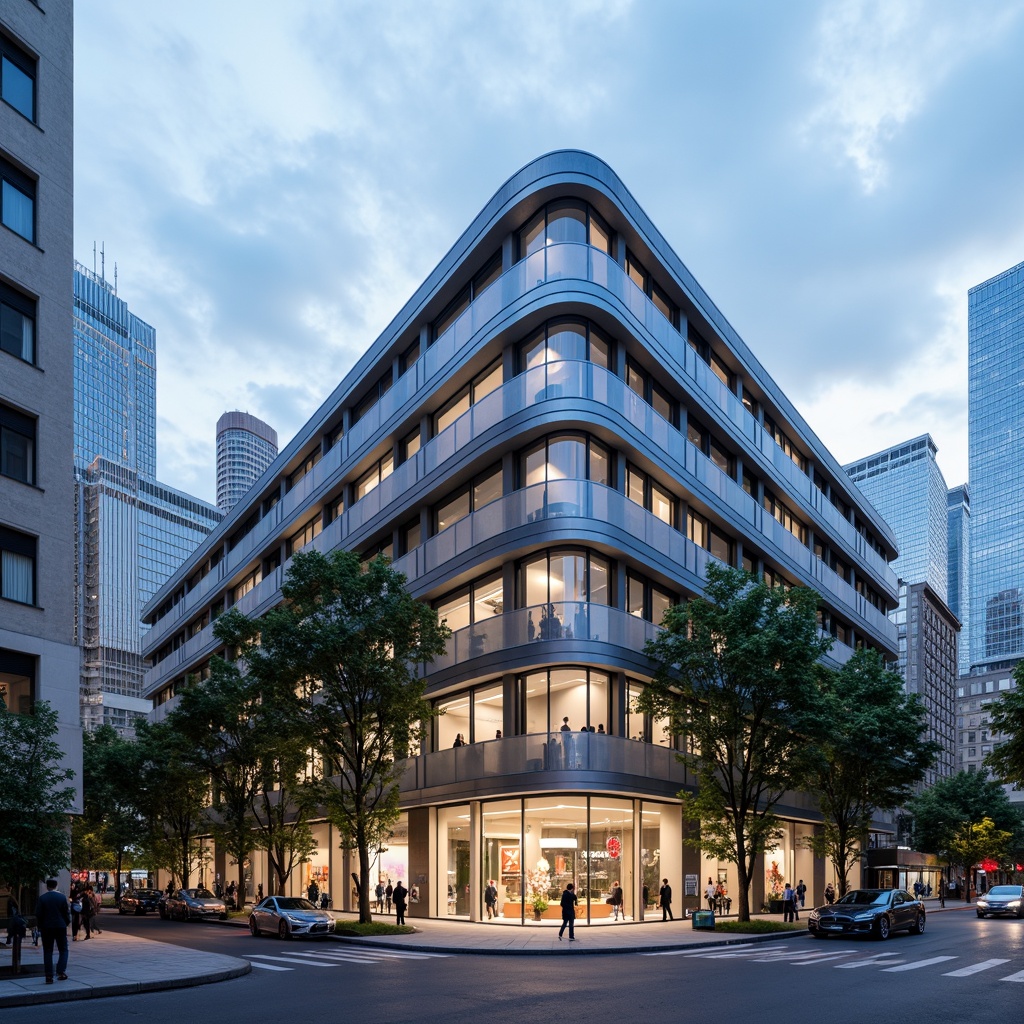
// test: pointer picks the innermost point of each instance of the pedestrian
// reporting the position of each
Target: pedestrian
(97, 904)
(647, 896)
(17, 926)
(400, 895)
(389, 891)
(830, 894)
(665, 901)
(88, 912)
(232, 890)
(459, 741)
(259, 893)
(497, 735)
(569, 901)
(600, 730)
(709, 894)
(491, 900)
(379, 893)
(313, 892)
(566, 727)
(76, 911)
(53, 915)
(801, 892)
(616, 900)
(788, 907)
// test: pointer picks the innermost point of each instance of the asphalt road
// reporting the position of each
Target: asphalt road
(961, 970)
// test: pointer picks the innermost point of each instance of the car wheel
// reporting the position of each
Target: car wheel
(121, 911)
(1020, 911)
(918, 926)
(882, 928)
(254, 928)
(980, 914)
(282, 931)
(139, 911)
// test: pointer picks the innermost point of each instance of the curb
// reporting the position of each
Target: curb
(74, 994)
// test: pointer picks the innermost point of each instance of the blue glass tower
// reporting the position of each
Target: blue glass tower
(995, 325)
(958, 504)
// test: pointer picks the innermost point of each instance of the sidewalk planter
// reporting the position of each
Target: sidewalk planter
(703, 920)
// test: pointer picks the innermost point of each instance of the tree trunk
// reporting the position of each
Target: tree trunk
(364, 877)
(743, 877)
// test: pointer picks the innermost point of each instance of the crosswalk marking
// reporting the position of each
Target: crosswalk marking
(965, 972)
(268, 967)
(335, 958)
(919, 963)
(289, 960)
(879, 959)
(1019, 976)
(384, 954)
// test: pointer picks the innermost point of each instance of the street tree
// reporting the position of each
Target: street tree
(349, 638)
(947, 814)
(110, 768)
(735, 673)
(868, 747)
(173, 797)
(35, 798)
(1006, 717)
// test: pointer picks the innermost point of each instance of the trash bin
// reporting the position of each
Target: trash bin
(703, 919)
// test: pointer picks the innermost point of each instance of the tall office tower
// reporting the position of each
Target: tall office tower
(132, 531)
(38, 658)
(958, 505)
(905, 484)
(995, 404)
(553, 438)
(245, 447)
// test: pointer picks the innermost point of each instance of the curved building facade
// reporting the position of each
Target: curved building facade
(245, 447)
(552, 439)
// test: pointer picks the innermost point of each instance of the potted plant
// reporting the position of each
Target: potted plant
(773, 890)
(538, 882)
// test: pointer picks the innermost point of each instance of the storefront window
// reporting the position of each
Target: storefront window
(577, 694)
(610, 857)
(501, 858)
(453, 861)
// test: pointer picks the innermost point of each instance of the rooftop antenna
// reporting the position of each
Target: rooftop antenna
(103, 260)
(115, 277)
(94, 256)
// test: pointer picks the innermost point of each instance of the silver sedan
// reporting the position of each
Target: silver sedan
(286, 916)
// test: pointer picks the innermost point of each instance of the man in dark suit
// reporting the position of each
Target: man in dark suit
(665, 901)
(400, 896)
(568, 902)
(53, 916)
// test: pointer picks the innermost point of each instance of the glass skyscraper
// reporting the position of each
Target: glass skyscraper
(958, 505)
(995, 399)
(132, 531)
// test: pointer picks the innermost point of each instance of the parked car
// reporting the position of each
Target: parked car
(289, 915)
(878, 912)
(140, 901)
(1002, 899)
(193, 905)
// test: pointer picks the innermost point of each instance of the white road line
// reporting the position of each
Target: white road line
(374, 954)
(289, 960)
(269, 967)
(872, 961)
(965, 972)
(1019, 976)
(822, 957)
(914, 965)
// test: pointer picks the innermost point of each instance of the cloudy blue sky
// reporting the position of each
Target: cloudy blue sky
(274, 180)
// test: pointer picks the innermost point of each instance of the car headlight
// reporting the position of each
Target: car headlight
(982, 903)
(867, 916)
(292, 920)
(1015, 904)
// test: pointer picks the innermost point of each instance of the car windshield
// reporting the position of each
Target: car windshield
(1004, 890)
(203, 894)
(294, 903)
(865, 897)
(147, 892)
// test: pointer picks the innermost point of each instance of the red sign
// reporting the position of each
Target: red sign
(614, 847)
(989, 865)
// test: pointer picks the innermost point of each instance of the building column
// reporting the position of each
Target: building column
(475, 820)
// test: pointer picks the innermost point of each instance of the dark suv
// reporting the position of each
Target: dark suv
(140, 901)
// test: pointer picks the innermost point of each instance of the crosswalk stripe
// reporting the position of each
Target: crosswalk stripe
(289, 960)
(1019, 976)
(872, 961)
(375, 954)
(914, 965)
(984, 965)
(821, 958)
(269, 967)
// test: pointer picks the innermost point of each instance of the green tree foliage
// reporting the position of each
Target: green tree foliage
(948, 815)
(868, 747)
(35, 800)
(111, 818)
(173, 797)
(349, 640)
(735, 670)
(1006, 716)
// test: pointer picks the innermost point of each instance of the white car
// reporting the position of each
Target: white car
(289, 915)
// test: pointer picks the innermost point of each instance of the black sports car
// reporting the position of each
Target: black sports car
(139, 901)
(878, 912)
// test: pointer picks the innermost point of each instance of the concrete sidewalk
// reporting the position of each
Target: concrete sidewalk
(113, 964)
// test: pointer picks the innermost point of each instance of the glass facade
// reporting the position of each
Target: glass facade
(245, 447)
(958, 505)
(995, 408)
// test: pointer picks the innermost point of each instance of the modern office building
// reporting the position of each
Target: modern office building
(995, 326)
(553, 437)
(38, 657)
(905, 485)
(245, 447)
(958, 506)
(132, 531)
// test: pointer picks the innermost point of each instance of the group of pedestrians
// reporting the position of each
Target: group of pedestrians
(793, 901)
(389, 896)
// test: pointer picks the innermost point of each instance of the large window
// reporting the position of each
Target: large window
(639, 275)
(17, 566)
(782, 439)
(17, 78)
(646, 491)
(374, 476)
(781, 512)
(481, 386)
(644, 727)
(17, 201)
(706, 442)
(17, 445)
(482, 491)
(373, 396)
(478, 602)
(643, 383)
(646, 600)
(700, 530)
(475, 715)
(708, 354)
(565, 220)
(559, 578)
(565, 457)
(565, 339)
(17, 324)
(550, 697)
(480, 283)
(305, 534)
(17, 681)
